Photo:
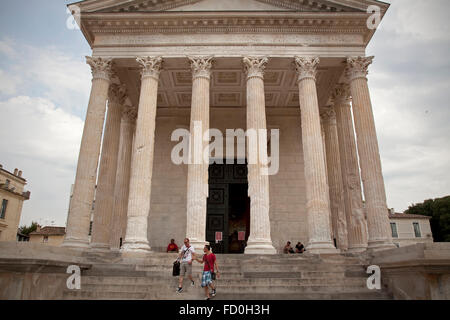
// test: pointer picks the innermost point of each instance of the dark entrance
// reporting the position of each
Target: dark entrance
(228, 207)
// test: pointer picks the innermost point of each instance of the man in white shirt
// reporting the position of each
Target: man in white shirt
(187, 254)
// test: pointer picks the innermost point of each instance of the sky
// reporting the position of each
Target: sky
(45, 85)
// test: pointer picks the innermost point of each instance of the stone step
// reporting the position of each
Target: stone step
(94, 295)
(84, 295)
(222, 281)
(296, 275)
(170, 289)
(297, 268)
(305, 296)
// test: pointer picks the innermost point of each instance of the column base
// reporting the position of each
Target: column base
(357, 249)
(322, 248)
(100, 247)
(377, 245)
(136, 246)
(73, 243)
(260, 247)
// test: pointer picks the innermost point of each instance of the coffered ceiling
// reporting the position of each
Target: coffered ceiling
(228, 82)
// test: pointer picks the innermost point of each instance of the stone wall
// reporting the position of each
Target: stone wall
(167, 217)
(416, 272)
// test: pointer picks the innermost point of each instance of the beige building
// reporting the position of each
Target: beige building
(164, 67)
(52, 236)
(12, 196)
(409, 229)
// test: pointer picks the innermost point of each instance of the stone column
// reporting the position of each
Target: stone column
(317, 201)
(136, 239)
(197, 180)
(356, 222)
(259, 241)
(336, 188)
(79, 218)
(369, 155)
(104, 197)
(121, 191)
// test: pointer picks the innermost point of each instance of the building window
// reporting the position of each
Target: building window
(417, 230)
(394, 230)
(3, 210)
(45, 239)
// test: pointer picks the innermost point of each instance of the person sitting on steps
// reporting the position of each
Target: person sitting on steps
(288, 249)
(172, 247)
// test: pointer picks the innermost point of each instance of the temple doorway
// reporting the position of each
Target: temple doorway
(228, 210)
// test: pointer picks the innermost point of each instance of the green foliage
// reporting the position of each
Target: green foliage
(27, 230)
(439, 211)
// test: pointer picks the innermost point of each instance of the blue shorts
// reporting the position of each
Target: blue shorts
(206, 278)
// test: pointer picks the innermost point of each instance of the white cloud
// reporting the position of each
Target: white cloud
(8, 83)
(56, 75)
(6, 48)
(420, 19)
(43, 98)
(43, 141)
(409, 83)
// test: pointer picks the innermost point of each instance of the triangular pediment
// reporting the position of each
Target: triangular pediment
(229, 5)
(226, 5)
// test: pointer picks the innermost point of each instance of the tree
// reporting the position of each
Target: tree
(439, 211)
(27, 230)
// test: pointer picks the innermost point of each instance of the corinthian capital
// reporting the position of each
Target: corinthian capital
(129, 113)
(101, 68)
(341, 93)
(201, 67)
(328, 115)
(254, 67)
(306, 67)
(357, 67)
(151, 66)
(117, 94)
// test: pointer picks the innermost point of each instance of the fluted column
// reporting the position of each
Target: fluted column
(136, 238)
(197, 180)
(356, 222)
(336, 188)
(317, 201)
(369, 155)
(259, 241)
(104, 197)
(79, 218)
(121, 191)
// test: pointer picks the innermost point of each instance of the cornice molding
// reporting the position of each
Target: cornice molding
(162, 5)
(235, 23)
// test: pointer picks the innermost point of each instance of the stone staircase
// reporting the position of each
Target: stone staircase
(278, 277)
